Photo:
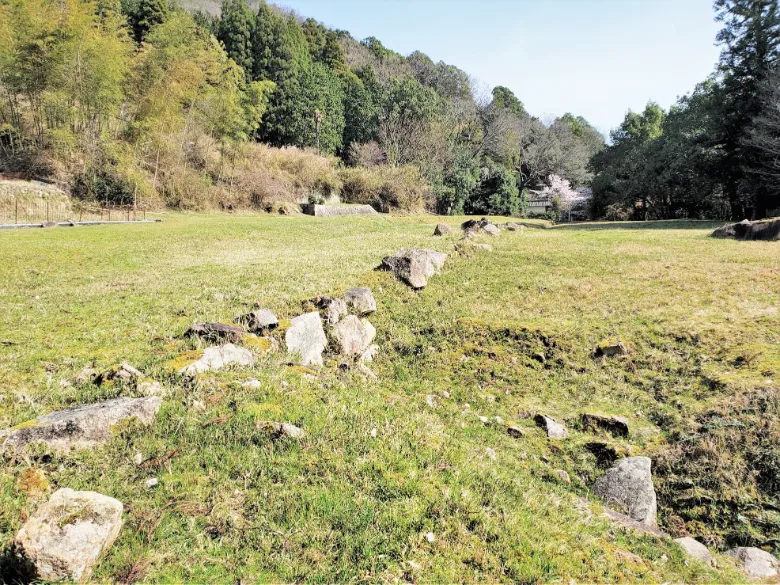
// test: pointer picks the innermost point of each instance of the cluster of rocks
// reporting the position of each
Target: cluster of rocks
(414, 266)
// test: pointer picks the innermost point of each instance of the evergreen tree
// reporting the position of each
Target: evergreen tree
(150, 13)
(236, 25)
(751, 40)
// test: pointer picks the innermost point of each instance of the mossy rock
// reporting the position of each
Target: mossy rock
(185, 359)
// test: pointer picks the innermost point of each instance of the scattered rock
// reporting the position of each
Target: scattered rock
(553, 428)
(371, 352)
(414, 266)
(470, 224)
(696, 550)
(258, 321)
(610, 349)
(484, 420)
(253, 384)
(629, 487)
(64, 538)
(515, 432)
(430, 537)
(485, 247)
(130, 376)
(361, 300)
(215, 332)
(307, 338)
(282, 429)
(353, 335)
(431, 400)
(335, 310)
(562, 476)
(491, 229)
(217, 357)
(442, 229)
(766, 230)
(81, 427)
(87, 374)
(514, 227)
(151, 482)
(757, 563)
(617, 426)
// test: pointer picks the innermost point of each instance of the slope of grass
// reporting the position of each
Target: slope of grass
(506, 334)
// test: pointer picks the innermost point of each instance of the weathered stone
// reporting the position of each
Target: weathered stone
(215, 332)
(217, 357)
(335, 310)
(515, 432)
(553, 428)
(282, 429)
(696, 550)
(562, 476)
(617, 426)
(81, 427)
(765, 229)
(757, 563)
(64, 538)
(610, 349)
(258, 321)
(484, 247)
(470, 224)
(353, 335)
(306, 337)
(628, 486)
(337, 210)
(361, 300)
(442, 229)
(514, 227)
(414, 266)
(128, 375)
(371, 352)
(491, 229)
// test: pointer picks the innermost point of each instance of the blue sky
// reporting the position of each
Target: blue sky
(595, 58)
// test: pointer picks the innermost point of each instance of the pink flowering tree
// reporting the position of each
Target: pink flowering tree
(561, 193)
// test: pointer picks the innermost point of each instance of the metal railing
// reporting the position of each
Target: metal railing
(25, 210)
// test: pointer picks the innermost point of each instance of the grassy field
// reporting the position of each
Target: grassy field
(508, 333)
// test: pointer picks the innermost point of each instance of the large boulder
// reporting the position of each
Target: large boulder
(306, 337)
(353, 336)
(757, 563)
(414, 266)
(695, 549)
(81, 427)
(64, 538)
(216, 332)
(360, 300)
(442, 229)
(766, 229)
(628, 486)
(217, 357)
(553, 428)
(258, 321)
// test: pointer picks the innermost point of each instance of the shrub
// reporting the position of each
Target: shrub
(385, 188)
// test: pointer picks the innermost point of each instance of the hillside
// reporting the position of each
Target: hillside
(398, 477)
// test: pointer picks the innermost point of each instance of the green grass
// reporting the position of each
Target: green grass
(507, 334)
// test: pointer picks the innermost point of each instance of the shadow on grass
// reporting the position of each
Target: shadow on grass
(15, 567)
(670, 224)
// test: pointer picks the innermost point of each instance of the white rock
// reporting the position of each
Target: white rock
(696, 550)
(217, 357)
(353, 335)
(373, 433)
(138, 458)
(757, 563)
(64, 538)
(306, 337)
(430, 537)
(430, 400)
(151, 482)
(629, 487)
(254, 384)
(483, 419)
(553, 428)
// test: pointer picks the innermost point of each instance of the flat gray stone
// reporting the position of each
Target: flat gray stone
(628, 486)
(65, 537)
(360, 300)
(81, 427)
(697, 550)
(414, 266)
(491, 229)
(353, 335)
(217, 357)
(258, 321)
(552, 427)
(757, 563)
(306, 337)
